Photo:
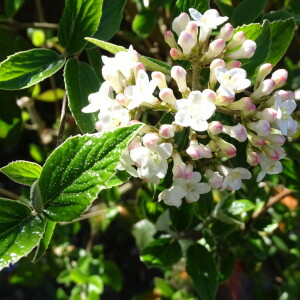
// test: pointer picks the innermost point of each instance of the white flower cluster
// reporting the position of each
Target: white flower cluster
(260, 112)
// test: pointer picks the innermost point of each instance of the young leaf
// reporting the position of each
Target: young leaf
(80, 81)
(11, 7)
(23, 172)
(202, 268)
(24, 69)
(80, 18)
(184, 5)
(51, 95)
(163, 252)
(78, 170)
(20, 231)
(282, 32)
(246, 12)
(150, 63)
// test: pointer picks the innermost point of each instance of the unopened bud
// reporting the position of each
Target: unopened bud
(237, 40)
(192, 28)
(160, 79)
(265, 88)
(270, 152)
(213, 146)
(209, 95)
(227, 148)
(215, 48)
(113, 78)
(167, 131)
(179, 75)
(261, 127)
(176, 54)
(167, 96)
(179, 23)
(186, 42)
(151, 139)
(198, 151)
(214, 178)
(245, 105)
(178, 166)
(285, 95)
(280, 77)
(205, 33)
(237, 132)
(137, 68)
(276, 139)
(268, 114)
(263, 71)
(170, 39)
(256, 141)
(233, 64)
(246, 51)
(135, 143)
(226, 32)
(215, 127)
(293, 128)
(252, 157)
(212, 76)
(121, 98)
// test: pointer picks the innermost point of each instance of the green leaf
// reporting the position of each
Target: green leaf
(225, 7)
(246, 12)
(282, 32)
(238, 207)
(95, 285)
(80, 81)
(51, 95)
(45, 241)
(94, 59)
(150, 63)
(80, 18)
(163, 252)
(202, 268)
(27, 68)
(184, 5)
(112, 14)
(78, 170)
(20, 231)
(112, 275)
(144, 23)
(143, 232)
(11, 7)
(23, 172)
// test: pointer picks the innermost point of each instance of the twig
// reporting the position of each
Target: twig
(9, 194)
(62, 120)
(22, 25)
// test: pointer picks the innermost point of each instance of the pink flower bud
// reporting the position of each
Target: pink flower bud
(237, 132)
(245, 105)
(122, 99)
(214, 178)
(178, 166)
(215, 48)
(179, 23)
(226, 32)
(285, 95)
(233, 64)
(160, 79)
(270, 152)
(237, 40)
(227, 148)
(179, 75)
(192, 28)
(135, 143)
(186, 42)
(167, 131)
(150, 139)
(223, 100)
(293, 128)
(268, 114)
(276, 139)
(252, 157)
(198, 151)
(280, 77)
(176, 54)
(209, 95)
(246, 51)
(256, 141)
(167, 96)
(139, 66)
(212, 145)
(261, 127)
(170, 39)
(263, 71)
(265, 88)
(212, 77)
(215, 127)
(98, 126)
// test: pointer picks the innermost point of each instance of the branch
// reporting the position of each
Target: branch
(21, 25)
(62, 120)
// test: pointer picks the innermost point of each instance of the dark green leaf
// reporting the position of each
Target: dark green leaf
(204, 206)
(78, 170)
(112, 275)
(181, 217)
(184, 5)
(11, 7)
(202, 268)
(80, 81)
(27, 68)
(45, 241)
(144, 23)
(225, 7)
(23, 172)
(20, 231)
(80, 18)
(246, 12)
(94, 57)
(163, 252)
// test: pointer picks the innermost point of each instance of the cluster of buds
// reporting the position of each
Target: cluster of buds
(259, 113)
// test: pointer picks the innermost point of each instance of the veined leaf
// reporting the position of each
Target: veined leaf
(78, 170)
(24, 69)
(184, 5)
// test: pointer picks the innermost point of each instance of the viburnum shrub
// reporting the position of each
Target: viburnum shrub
(211, 120)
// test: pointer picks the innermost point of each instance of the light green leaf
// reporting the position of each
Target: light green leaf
(11, 7)
(20, 231)
(163, 252)
(80, 18)
(143, 232)
(150, 63)
(51, 95)
(27, 68)
(78, 170)
(202, 268)
(23, 172)
(80, 81)
(246, 12)
(184, 5)
(239, 207)
(282, 32)
(95, 284)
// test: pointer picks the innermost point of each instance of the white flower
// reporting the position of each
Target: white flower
(231, 81)
(284, 109)
(172, 196)
(195, 111)
(210, 19)
(141, 92)
(233, 177)
(100, 100)
(268, 166)
(152, 161)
